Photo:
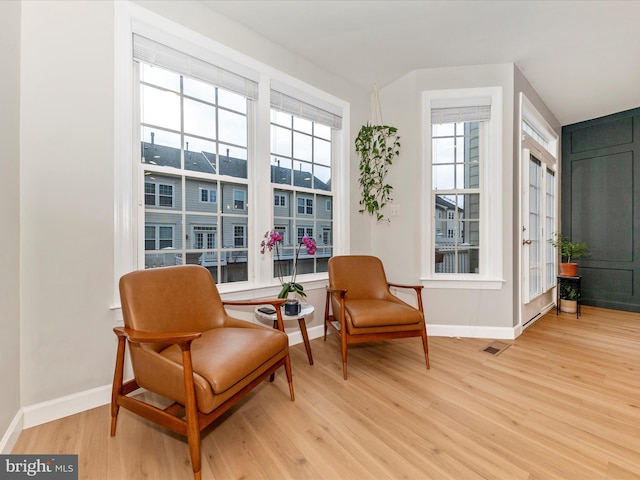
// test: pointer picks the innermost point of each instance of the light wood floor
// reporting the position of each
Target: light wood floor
(562, 402)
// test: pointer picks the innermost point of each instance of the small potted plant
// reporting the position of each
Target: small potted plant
(568, 299)
(570, 251)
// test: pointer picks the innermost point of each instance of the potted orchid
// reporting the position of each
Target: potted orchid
(274, 241)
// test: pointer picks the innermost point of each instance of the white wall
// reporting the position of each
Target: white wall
(66, 197)
(9, 211)
(398, 242)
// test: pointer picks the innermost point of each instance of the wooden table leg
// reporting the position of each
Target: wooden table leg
(273, 375)
(305, 338)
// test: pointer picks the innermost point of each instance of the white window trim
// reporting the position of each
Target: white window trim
(491, 274)
(128, 197)
(282, 200)
(209, 192)
(237, 192)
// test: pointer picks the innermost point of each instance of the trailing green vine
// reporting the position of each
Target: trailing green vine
(376, 145)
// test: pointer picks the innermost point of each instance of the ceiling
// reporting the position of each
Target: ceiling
(582, 57)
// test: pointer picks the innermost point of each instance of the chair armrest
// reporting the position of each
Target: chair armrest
(276, 302)
(138, 336)
(415, 287)
(339, 291)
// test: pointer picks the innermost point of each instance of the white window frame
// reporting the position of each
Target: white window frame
(157, 227)
(239, 195)
(205, 230)
(157, 194)
(279, 200)
(307, 205)
(211, 192)
(491, 275)
(243, 235)
(306, 232)
(131, 18)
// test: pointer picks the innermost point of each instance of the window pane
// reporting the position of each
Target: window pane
(322, 178)
(160, 77)
(233, 161)
(160, 107)
(233, 128)
(302, 125)
(322, 131)
(302, 146)
(443, 177)
(280, 141)
(442, 129)
(200, 155)
(443, 150)
(469, 206)
(201, 90)
(302, 174)
(202, 195)
(234, 199)
(281, 118)
(282, 208)
(199, 118)
(322, 152)
(280, 170)
(232, 101)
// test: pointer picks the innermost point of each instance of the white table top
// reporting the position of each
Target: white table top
(306, 309)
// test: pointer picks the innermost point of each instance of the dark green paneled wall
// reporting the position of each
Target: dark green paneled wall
(600, 206)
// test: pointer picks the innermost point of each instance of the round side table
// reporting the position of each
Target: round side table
(305, 310)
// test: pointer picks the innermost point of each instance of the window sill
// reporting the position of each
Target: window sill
(463, 283)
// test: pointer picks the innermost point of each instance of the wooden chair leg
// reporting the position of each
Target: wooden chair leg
(344, 355)
(326, 315)
(425, 345)
(287, 368)
(191, 410)
(117, 382)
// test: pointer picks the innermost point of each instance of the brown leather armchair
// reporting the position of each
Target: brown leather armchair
(364, 310)
(184, 347)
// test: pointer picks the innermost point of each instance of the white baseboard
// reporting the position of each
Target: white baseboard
(462, 331)
(471, 331)
(64, 406)
(11, 435)
(295, 337)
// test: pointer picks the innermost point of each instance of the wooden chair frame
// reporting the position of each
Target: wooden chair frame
(191, 422)
(347, 338)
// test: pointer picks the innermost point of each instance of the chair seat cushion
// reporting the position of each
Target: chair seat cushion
(373, 313)
(226, 356)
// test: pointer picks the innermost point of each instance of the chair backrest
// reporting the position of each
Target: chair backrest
(361, 275)
(171, 299)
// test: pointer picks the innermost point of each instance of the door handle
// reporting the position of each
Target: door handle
(527, 242)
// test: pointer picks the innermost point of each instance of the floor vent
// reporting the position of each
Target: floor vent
(496, 348)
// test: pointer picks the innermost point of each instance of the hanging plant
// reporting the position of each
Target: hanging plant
(376, 145)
